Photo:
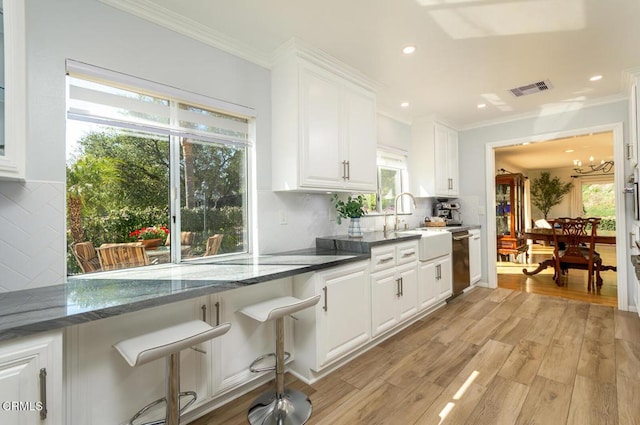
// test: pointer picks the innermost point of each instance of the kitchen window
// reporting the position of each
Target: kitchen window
(151, 162)
(392, 180)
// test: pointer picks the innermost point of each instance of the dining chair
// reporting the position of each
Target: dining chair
(574, 247)
(86, 256)
(213, 244)
(122, 256)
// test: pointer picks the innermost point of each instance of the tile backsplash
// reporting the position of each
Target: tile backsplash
(32, 234)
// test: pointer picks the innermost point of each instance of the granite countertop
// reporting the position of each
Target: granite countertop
(96, 296)
(369, 239)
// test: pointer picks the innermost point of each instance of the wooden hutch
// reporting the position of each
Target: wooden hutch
(510, 214)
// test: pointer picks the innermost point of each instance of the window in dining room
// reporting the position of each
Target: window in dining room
(153, 167)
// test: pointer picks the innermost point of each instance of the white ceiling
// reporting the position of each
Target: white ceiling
(468, 51)
(554, 153)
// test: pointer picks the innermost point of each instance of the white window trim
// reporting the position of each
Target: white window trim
(81, 69)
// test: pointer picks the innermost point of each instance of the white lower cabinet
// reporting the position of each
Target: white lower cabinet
(339, 323)
(435, 281)
(31, 380)
(394, 285)
(444, 277)
(475, 253)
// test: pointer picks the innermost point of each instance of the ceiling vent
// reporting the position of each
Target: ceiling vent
(531, 88)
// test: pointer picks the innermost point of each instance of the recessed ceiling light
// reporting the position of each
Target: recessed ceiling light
(404, 104)
(525, 143)
(569, 150)
(407, 50)
(482, 105)
(595, 78)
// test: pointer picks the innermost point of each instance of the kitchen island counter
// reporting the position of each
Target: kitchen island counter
(100, 295)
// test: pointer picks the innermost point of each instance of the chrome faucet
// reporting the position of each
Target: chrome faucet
(395, 214)
(384, 227)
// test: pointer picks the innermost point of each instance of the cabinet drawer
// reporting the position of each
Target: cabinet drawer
(383, 258)
(407, 253)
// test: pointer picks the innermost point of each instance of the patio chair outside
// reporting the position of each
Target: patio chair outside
(213, 244)
(86, 256)
(122, 256)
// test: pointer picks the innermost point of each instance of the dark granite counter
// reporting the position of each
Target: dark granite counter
(370, 239)
(363, 244)
(99, 295)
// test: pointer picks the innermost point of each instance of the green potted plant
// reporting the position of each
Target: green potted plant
(353, 208)
(547, 192)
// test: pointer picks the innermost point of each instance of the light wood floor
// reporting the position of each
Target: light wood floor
(510, 276)
(489, 357)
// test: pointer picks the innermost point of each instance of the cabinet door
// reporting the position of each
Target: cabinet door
(344, 316)
(321, 161)
(452, 161)
(428, 288)
(475, 267)
(360, 140)
(446, 161)
(408, 301)
(443, 181)
(385, 294)
(21, 363)
(247, 339)
(444, 277)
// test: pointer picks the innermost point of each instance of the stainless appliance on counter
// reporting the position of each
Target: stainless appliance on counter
(460, 266)
(448, 210)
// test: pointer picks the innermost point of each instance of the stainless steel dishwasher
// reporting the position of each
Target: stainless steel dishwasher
(461, 275)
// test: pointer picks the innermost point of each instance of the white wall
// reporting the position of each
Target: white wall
(32, 213)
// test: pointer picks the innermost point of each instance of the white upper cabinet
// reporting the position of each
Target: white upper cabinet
(12, 86)
(433, 159)
(323, 125)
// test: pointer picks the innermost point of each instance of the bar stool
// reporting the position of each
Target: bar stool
(168, 343)
(282, 406)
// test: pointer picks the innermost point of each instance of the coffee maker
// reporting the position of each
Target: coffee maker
(449, 210)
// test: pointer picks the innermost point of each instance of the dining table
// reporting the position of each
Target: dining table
(602, 237)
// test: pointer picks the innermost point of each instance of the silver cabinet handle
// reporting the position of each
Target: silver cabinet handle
(398, 287)
(631, 240)
(385, 260)
(204, 312)
(629, 150)
(438, 272)
(344, 170)
(325, 307)
(348, 170)
(217, 305)
(43, 393)
(409, 253)
(401, 287)
(461, 238)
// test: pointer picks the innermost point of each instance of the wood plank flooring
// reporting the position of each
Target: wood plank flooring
(490, 357)
(510, 276)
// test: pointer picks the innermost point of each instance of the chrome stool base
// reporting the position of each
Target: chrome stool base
(290, 408)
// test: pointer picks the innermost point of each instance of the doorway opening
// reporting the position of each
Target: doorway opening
(593, 194)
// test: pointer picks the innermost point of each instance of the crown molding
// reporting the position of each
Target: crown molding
(166, 18)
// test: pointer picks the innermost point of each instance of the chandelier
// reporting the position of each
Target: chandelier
(605, 167)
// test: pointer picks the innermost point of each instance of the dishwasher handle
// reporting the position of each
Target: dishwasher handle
(461, 238)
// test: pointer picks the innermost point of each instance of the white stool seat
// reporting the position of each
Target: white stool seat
(276, 308)
(168, 343)
(154, 345)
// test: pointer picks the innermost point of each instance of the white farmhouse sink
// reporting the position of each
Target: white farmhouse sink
(432, 244)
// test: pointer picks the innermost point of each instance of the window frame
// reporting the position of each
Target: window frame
(176, 97)
(392, 159)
